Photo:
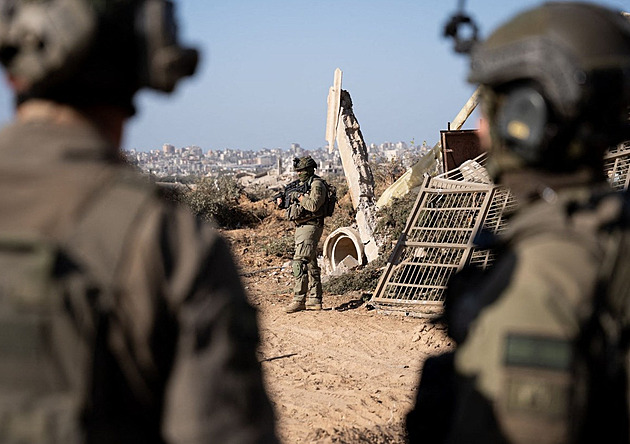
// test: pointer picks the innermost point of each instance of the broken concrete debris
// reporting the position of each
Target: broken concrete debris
(343, 128)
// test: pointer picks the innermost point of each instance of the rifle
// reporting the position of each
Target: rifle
(290, 193)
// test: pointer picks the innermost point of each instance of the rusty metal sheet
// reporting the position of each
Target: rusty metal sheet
(458, 147)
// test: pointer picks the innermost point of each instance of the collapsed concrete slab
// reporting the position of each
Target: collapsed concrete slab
(343, 128)
(349, 263)
(354, 159)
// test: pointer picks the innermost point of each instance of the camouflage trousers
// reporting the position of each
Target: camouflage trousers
(305, 269)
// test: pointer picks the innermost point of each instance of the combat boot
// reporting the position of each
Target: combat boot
(296, 306)
(313, 304)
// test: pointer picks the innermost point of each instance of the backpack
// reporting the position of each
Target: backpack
(331, 199)
(603, 346)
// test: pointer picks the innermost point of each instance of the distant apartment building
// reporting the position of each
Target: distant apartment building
(391, 155)
(265, 160)
(297, 150)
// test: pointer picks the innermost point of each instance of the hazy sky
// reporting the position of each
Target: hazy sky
(267, 66)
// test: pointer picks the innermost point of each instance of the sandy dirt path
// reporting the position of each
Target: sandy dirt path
(346, 374)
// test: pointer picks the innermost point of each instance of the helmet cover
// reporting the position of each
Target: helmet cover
(304, 163)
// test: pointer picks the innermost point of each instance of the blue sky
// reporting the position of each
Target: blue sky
(267, 66)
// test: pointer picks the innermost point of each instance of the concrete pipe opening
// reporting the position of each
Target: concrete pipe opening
(340, 244)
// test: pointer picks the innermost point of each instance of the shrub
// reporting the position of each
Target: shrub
(392, 218)
(344, 215)
(218, 200)
(385, 174)
(256, 193)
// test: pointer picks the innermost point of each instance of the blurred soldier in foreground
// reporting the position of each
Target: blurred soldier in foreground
(122, 318)
(542, 335)
(305, 207)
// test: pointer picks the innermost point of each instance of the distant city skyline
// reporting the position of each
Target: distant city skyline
(267, 66)
(184, 162)
(289, 147)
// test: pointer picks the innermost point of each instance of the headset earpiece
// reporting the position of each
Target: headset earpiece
(165, 61)
(522, 120)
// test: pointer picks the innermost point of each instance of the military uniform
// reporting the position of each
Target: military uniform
(543, 334)
(308, 231)
(175, 343)
(519, 352)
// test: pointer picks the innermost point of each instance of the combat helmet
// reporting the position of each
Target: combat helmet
(87, 52)
(556, 83)
(304, 163)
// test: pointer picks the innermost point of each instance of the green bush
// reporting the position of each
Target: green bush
(218, 200)
(393, 217)
(256, 193)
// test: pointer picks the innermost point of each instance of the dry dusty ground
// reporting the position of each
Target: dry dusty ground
(347, 374)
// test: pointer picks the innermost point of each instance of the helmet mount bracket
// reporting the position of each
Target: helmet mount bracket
(463, 30)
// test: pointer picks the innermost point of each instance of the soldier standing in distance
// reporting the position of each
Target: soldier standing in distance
(122, 317)
(542, 335)
(307, 212)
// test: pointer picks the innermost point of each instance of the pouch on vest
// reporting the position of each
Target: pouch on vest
(42, 386)
(535, 390)
(296, 212)
(328, 207)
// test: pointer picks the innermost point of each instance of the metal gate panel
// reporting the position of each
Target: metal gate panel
(437, 239)
(617, 166)
(503, 203)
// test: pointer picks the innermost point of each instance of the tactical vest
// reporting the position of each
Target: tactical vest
(298, 214)
(576, 388)
(55, 299)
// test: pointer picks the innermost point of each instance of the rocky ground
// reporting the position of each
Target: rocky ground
(347, 374)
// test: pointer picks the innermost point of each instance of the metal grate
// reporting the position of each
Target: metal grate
(437, 239)
(617, 165)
